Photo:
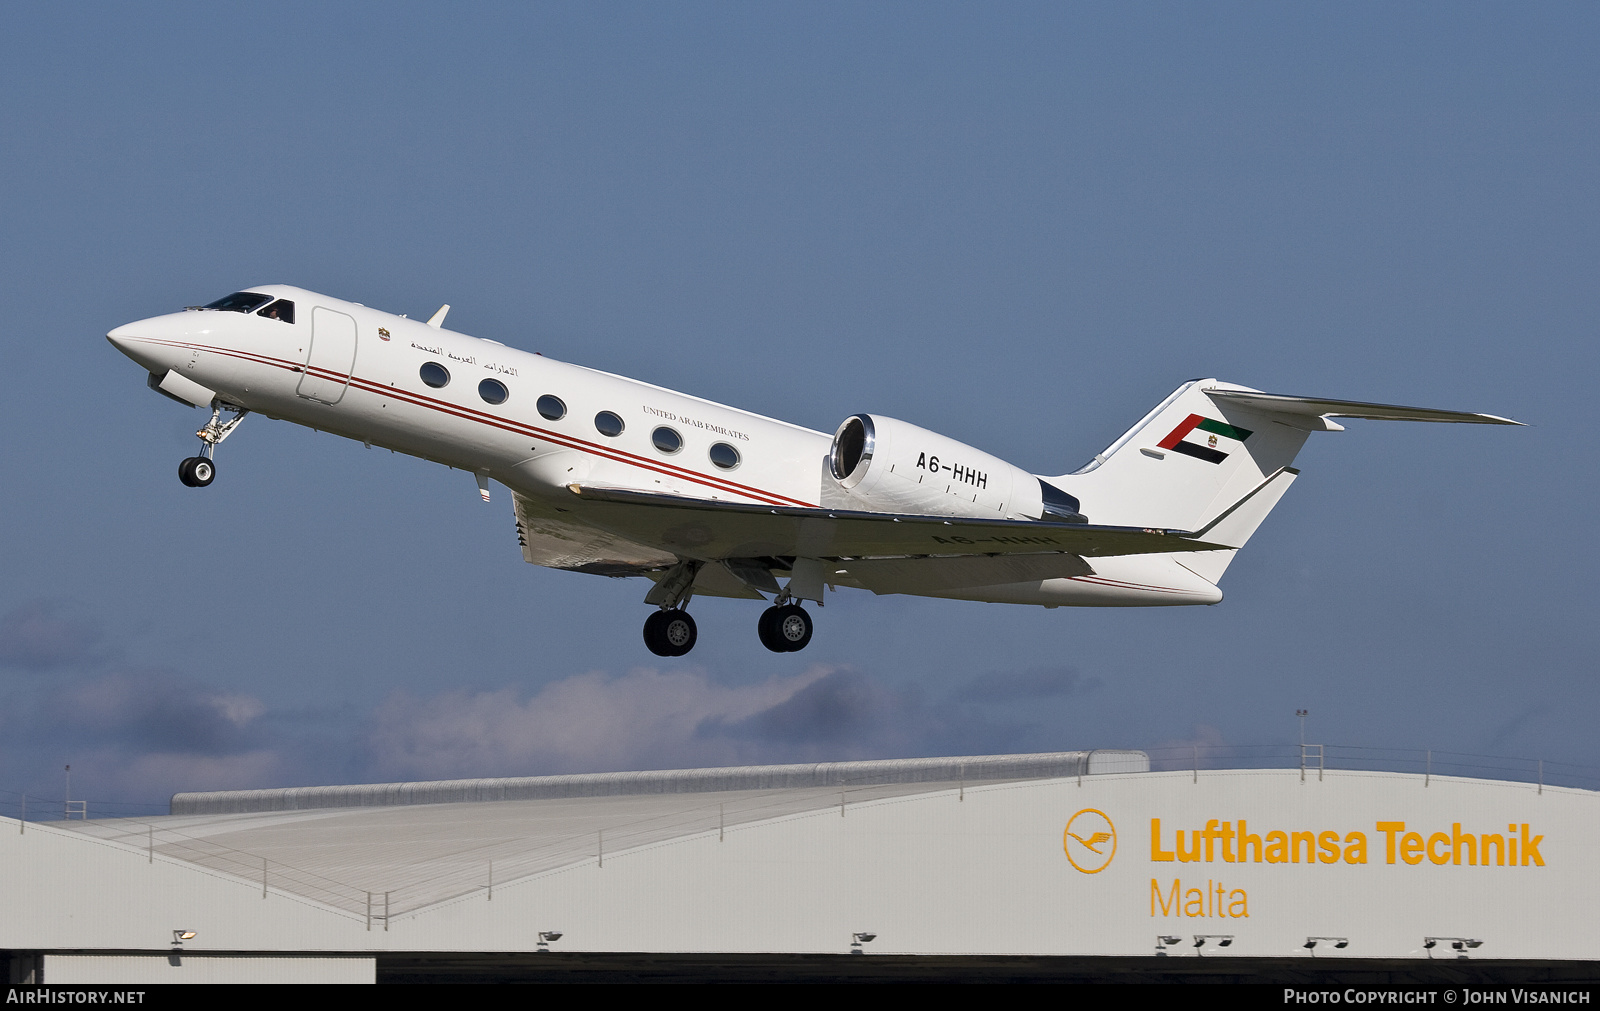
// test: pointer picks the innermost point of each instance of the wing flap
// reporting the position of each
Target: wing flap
(923, 575)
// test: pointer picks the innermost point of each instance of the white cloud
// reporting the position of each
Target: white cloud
(587, 723)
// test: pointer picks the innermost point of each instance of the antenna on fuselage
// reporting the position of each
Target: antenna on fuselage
(437, 319)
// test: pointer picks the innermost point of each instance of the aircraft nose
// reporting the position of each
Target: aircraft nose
(121, 337)
(132, 340)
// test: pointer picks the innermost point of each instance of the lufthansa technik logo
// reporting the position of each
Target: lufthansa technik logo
(1090, 840)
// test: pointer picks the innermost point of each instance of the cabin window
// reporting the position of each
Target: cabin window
(724, 456)
(435, 375)
(493, 391)
(607, 423)
(551, 408)
(239, 301)
(666, 440)
(282, 310)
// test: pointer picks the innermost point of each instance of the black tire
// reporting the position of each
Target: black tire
(793, 627)
(767, 629)
(670, 633)
(201, 471)
(679, 631)
(655, 639)
(183, 473)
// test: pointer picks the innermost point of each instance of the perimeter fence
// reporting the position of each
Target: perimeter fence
(1357, 758)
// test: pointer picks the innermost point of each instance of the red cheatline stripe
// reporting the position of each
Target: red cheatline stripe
(572, 442)
(519, 428)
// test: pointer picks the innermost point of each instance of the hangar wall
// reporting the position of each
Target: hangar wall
(995, 873)
(1051, 867)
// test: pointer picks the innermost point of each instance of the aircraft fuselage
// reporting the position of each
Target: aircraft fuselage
(370, 389)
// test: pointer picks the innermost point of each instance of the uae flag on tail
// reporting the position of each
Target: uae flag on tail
(1202, 438)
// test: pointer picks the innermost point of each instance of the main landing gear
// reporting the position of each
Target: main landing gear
(670, 632)
(785, 628)
(199, 471)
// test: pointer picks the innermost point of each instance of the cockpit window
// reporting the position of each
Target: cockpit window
(281, 310)
(239, 301)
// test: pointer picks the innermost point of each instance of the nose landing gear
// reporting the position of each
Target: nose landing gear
(199, 471)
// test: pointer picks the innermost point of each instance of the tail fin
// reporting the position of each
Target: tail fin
(1188, 461)
(1216, 457)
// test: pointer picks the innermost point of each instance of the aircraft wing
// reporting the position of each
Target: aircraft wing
(551, 538)
(710, 530)
(1316, 407)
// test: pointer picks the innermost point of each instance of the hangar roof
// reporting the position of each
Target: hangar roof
(424, 843)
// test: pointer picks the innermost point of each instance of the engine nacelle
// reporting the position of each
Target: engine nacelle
(879, 464)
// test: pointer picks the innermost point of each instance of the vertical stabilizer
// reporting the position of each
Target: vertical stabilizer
(1191, 460)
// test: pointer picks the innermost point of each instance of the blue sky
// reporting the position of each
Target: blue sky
(1021, 229)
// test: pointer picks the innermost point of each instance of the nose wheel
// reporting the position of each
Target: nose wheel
(670, 632)
(197, 472)
(784, 629)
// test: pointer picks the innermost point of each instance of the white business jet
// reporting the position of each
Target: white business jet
(620, 478)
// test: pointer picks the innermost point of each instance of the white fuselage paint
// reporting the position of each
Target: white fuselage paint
(334, 370)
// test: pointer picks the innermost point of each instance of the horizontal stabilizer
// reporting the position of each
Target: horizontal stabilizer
(1317, 407)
